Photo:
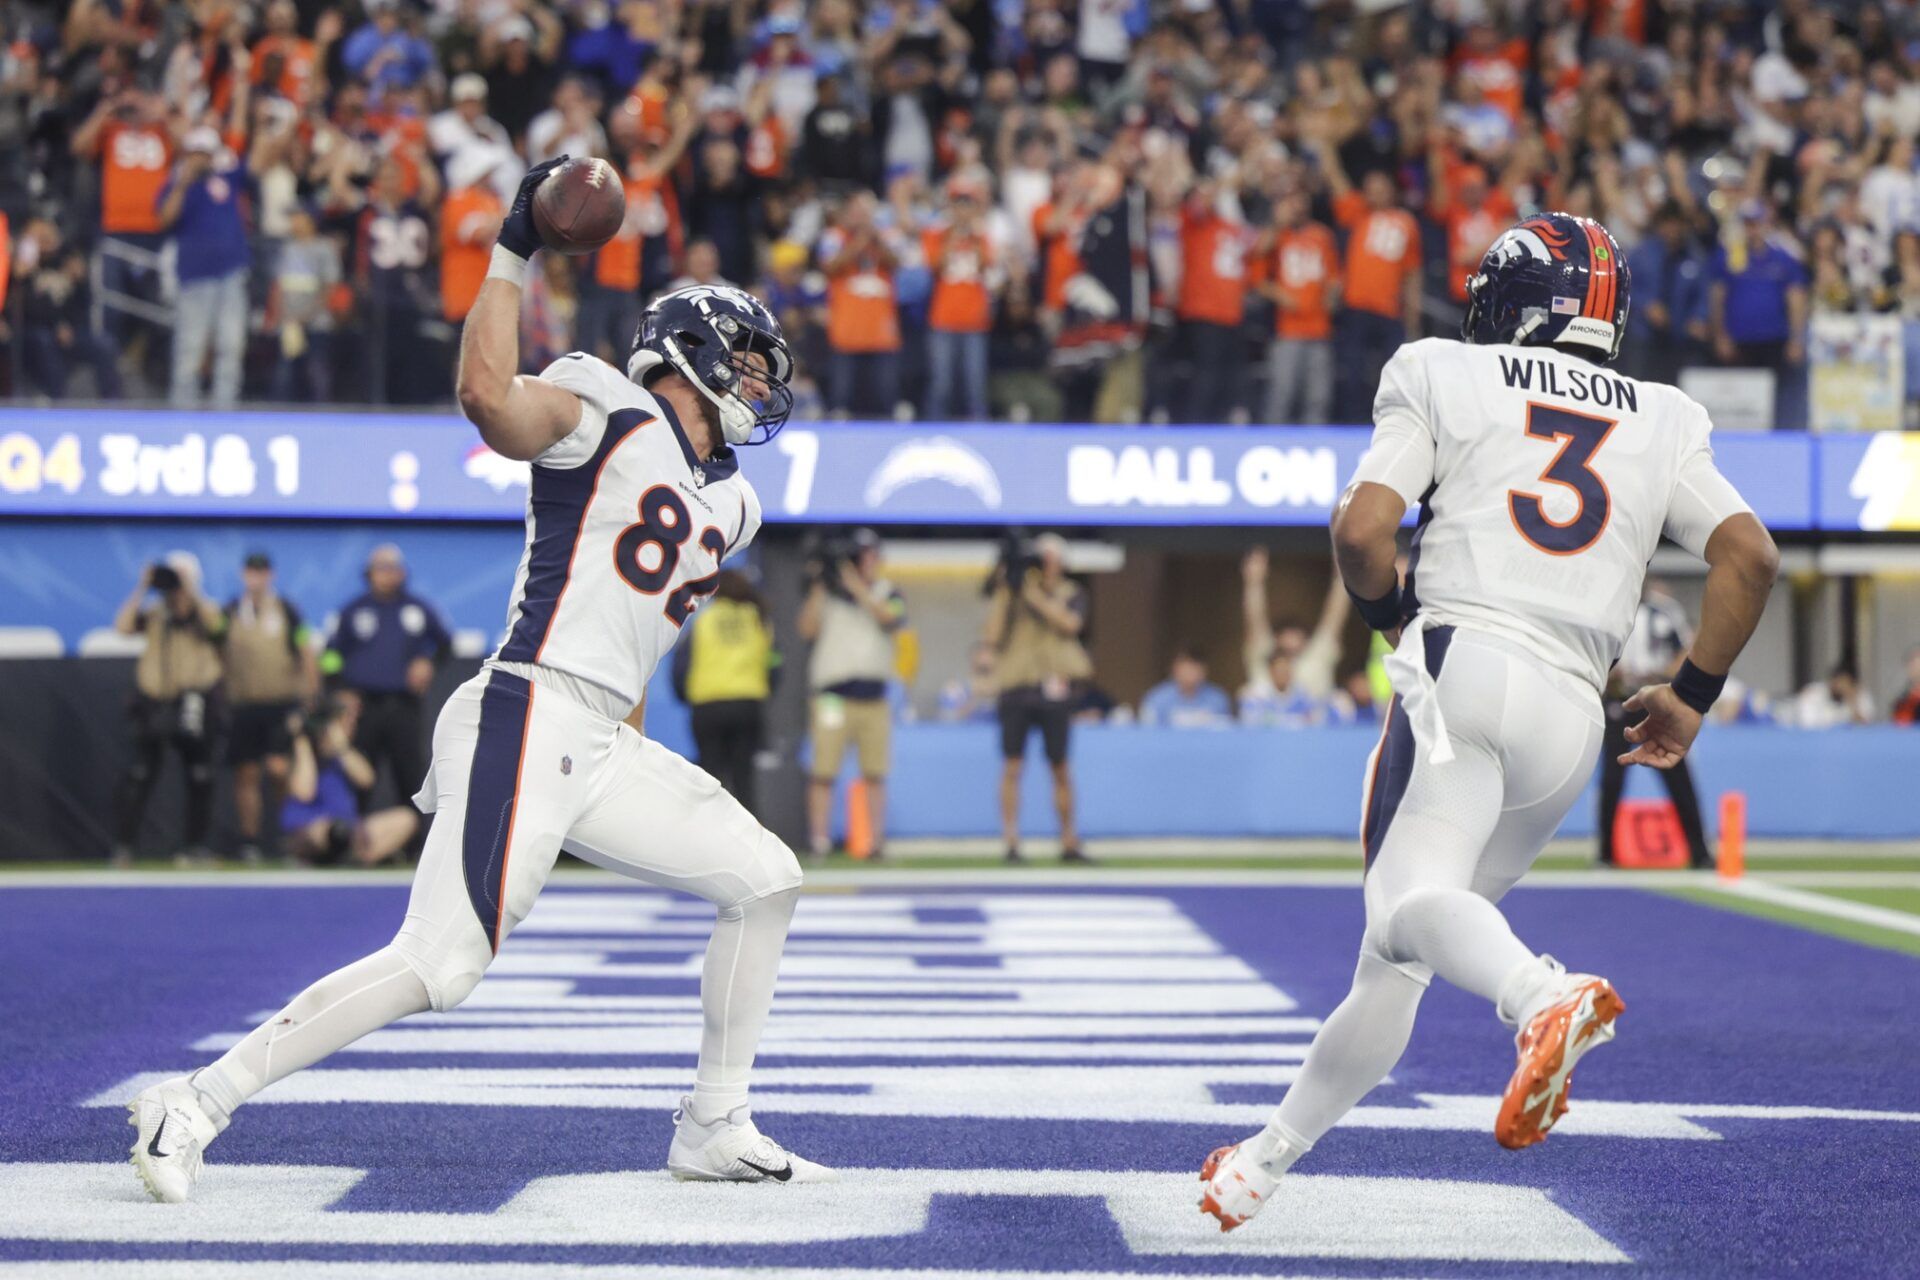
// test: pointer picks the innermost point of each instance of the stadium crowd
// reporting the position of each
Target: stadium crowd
(1107, 209)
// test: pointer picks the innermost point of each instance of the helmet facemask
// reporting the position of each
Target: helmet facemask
(724, 356)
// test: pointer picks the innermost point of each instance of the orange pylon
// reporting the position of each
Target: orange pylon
(1733, 834)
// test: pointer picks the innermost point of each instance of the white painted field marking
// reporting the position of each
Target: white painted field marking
(1822, 905)
(1317, 1216)
(685, 1042)
(306, 1269)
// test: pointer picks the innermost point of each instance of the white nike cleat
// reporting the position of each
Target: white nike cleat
(1240, 1179)
(732, 1150)
(171, 1130)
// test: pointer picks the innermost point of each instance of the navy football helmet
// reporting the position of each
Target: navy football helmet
(707, 333)
(1551, 280)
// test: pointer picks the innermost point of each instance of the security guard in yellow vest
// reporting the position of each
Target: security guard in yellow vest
(724, 673)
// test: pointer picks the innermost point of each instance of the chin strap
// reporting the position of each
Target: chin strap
(737, 418)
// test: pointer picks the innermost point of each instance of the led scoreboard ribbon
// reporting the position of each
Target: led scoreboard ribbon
(168, 463)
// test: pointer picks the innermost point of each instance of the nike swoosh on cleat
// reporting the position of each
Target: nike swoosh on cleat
(778, 1175)
(153, 1145)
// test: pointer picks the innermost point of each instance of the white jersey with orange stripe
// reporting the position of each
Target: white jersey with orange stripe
(1545, 482)
(626, 530)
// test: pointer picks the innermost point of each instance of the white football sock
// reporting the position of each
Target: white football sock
(736, 991)
(1356, 1047)
(1459, 935)
(329, 1015)
(1529, 987)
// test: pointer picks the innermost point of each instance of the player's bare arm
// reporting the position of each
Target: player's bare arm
(519, 417)
(1742, 563)
(1365, 526)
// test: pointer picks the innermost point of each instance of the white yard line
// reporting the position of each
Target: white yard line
(1784, 888)
(1822, 905)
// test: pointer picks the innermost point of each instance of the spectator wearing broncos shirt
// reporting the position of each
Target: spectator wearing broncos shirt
(966, 277)
(1381, 283)
(640, 257)
(392, 262)
(1472, 211)
(469, 220)
(1212, 302)
(130, 134)
(1301, 275)
(1907, 709)
(863, 317)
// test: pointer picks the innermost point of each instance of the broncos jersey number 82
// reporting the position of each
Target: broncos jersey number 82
(1580, 436)
(657, 536)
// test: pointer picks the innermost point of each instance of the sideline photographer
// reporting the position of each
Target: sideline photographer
(320, 820)
(850, 617)
(1034, 621)
(176, 702)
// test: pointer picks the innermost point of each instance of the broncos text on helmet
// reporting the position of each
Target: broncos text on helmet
(1553, 279)
(707, 333)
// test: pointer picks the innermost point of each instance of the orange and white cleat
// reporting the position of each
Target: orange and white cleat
(1238, 1185)
(1550, 1044)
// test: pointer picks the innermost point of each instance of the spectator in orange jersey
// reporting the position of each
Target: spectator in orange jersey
(1380, 285)
(640, 257)
(966, 278)
(469, 220)
(131, 136)
(1907, 709)
(1301, 276)
(284, 60)
(1471, 209)
(1498, 67)
(1212, 302)
(863, 317)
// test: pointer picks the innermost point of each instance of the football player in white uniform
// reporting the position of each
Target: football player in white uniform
(1544, 483)
(635, 499)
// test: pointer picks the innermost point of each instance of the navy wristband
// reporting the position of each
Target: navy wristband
(1696, 688)
(1382, 614)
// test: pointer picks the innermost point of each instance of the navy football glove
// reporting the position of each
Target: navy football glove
(517, 233)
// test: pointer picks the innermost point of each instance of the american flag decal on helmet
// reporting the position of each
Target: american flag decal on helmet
(1566, 306)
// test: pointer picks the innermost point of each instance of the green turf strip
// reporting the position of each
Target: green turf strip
(1833, 926)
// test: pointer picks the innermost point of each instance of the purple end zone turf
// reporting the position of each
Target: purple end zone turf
(102, 984)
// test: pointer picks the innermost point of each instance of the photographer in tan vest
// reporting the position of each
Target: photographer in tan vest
(272, 671)
(1034, 620)
(176, 703)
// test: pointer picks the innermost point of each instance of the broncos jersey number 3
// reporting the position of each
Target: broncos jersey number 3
(1580, 436)
(648, 551)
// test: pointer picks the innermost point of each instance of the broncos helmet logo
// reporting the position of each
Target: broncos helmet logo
(1552, 238)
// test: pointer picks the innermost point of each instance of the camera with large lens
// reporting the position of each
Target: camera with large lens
(165, 578)
(1019, 556)
(826, 557)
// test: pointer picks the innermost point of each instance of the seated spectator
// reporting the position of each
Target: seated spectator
(1907, 709)
(973, 697)
(320, 820)
(1276, 700)
(1186, 699)
(1837, 700)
